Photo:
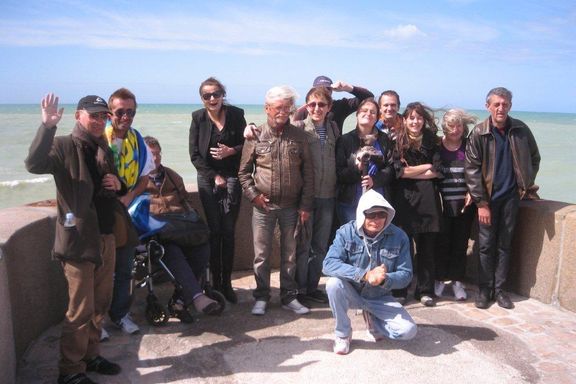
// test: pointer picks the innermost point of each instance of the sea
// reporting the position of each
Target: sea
(170, 123)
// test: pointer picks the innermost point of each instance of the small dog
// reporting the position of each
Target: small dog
(367, 152)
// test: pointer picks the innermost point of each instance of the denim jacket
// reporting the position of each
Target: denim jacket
(352, 254)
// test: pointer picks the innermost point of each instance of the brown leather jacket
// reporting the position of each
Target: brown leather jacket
(480, 155)
(171, 197)
(280, 167)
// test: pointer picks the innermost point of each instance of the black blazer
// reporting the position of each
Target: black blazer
(199, 138)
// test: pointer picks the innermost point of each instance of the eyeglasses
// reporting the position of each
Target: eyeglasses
(314, 104)
(209, 95)
(281, 108)
(98, 115)
(376, 215)
(121, 112)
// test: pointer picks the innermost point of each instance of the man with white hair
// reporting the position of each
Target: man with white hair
(277, 176)
(369, 258)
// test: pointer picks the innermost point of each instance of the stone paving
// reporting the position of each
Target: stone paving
(456, 343)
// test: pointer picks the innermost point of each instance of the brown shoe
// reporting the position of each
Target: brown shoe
(206, 305)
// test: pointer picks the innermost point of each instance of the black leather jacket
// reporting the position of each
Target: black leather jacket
(480, 155)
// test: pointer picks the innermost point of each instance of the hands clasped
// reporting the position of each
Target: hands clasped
(377, 275)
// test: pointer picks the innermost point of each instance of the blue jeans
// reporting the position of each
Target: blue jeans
(310, 255)
(390, 319)
(263, 224)
(346, 212)
(122, 296)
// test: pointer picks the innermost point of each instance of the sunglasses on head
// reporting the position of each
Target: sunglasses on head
(320, 104)
(376, 215)
(208, 96)
(128, 112)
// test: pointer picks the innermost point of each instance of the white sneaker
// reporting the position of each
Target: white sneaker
(439, 288)
(459, 290)
(104, 335)
(342, 345)
(427, 301)
(127, 325)
(259, 307)
(296, 307)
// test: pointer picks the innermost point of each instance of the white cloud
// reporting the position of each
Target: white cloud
(404, 32)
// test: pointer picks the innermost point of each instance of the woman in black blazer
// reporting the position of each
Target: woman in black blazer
(215, 145)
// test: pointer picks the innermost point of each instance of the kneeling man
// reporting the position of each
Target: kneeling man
(369, 257)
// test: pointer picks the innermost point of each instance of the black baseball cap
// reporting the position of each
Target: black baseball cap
(92, 103)
(322, 81)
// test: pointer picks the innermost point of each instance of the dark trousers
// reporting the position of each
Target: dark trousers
(122, 297)
(451, 246)
(422, 251)
(221, 210)
(495, 243)
(187, 266)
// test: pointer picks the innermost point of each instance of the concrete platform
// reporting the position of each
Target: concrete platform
(456, 343)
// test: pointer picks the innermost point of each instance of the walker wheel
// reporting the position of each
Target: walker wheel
(156, 314)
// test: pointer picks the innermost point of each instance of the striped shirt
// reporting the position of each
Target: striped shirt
(453, 187)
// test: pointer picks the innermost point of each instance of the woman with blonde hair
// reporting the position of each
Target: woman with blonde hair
(457, 214)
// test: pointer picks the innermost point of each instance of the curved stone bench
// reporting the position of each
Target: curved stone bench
(33, 290)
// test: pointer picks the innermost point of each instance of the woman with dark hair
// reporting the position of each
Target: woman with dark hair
(416, 197)
(215, 144)
(363, 161)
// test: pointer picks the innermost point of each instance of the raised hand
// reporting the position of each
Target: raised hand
(50, 113)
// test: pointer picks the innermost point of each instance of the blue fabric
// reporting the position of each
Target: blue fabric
(504, 178)
(348, 258)
(139, 211)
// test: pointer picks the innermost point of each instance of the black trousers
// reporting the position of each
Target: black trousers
(422, 253)
(495, 244)
(221, 210)
(451, 246)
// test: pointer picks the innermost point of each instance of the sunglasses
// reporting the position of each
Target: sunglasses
(313, 105)
(376, 215)
(121, 112)
(208, 96)
(98, 115)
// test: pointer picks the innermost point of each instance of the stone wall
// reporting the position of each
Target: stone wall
(33, 290)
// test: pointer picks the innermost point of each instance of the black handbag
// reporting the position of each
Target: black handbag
(185, 229)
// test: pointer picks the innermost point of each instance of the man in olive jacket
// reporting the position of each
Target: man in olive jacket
(502, 161)
(87, 188)
(277, 176)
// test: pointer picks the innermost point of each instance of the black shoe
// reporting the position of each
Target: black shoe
(317, 296)
(102, 366)
(229, 294)
(75, 378)
(178, 310)
(504, 301)
(482, 300)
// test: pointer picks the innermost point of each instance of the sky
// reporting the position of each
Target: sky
(445, 53)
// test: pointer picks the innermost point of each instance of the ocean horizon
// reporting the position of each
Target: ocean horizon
(170, 123)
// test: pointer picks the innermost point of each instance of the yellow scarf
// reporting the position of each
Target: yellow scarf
(127, 158)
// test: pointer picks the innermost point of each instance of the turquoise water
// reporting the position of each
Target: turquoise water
(170, 124)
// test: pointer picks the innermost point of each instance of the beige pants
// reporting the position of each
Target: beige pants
(90, 293)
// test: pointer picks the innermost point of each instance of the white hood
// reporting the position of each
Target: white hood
(371, 199)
